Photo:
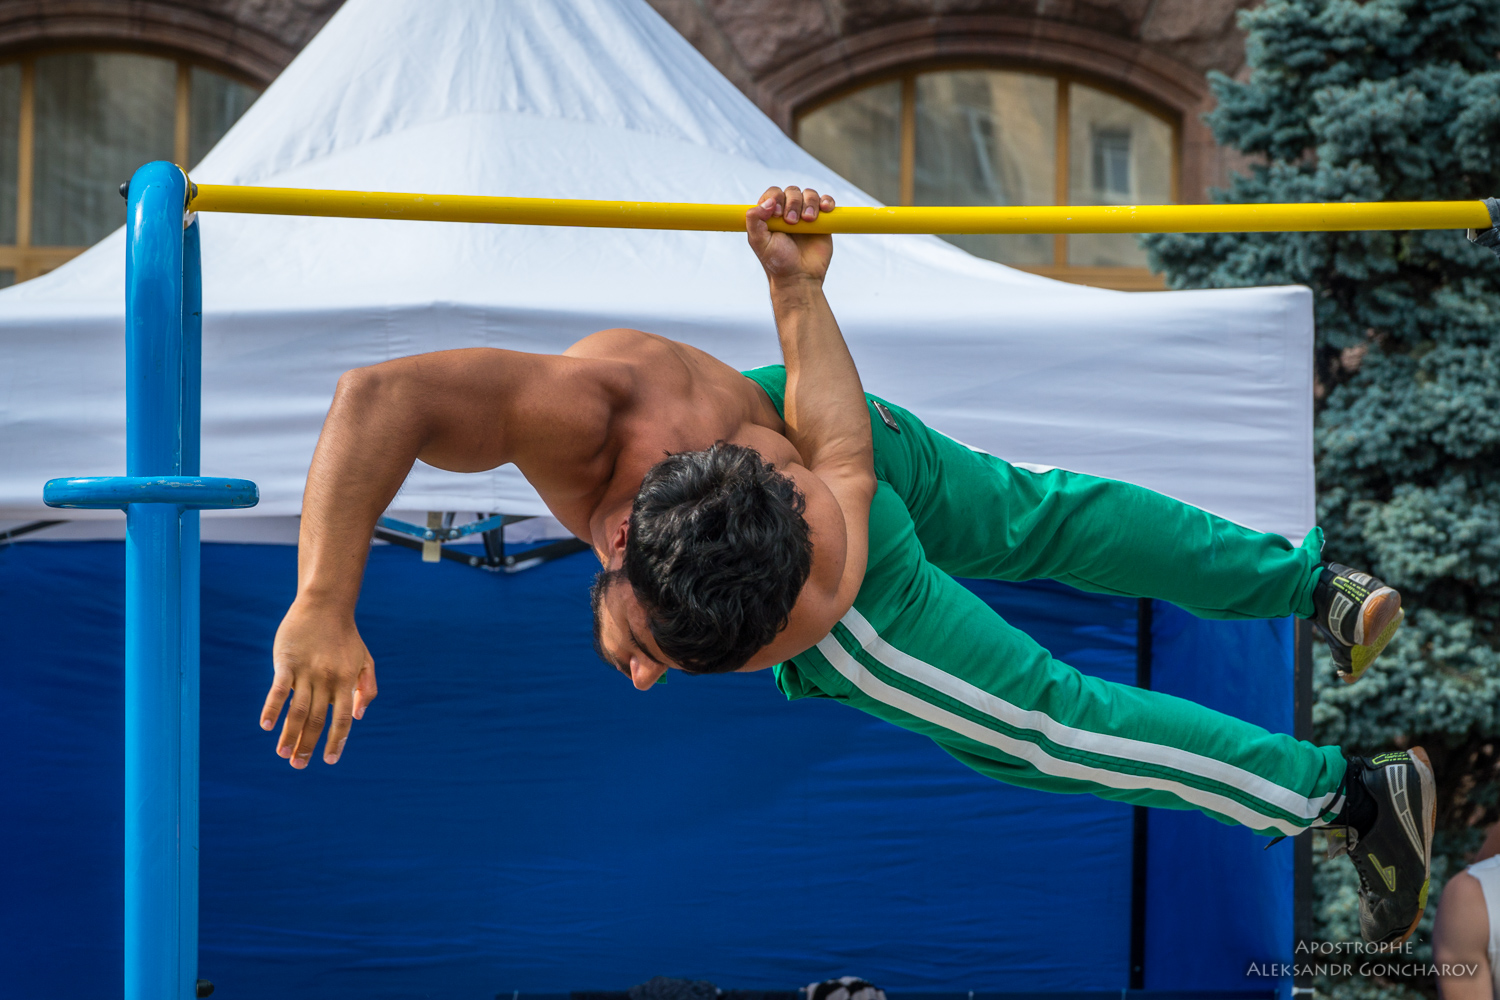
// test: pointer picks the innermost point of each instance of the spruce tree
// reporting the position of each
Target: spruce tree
(1387, 100)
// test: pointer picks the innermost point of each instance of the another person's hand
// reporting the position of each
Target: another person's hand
(784, 255)
(319, 660)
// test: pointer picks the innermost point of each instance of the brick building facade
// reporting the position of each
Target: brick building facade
(787, 55)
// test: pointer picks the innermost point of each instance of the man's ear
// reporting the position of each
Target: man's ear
(617, 543)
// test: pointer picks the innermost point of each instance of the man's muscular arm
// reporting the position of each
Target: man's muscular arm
(1460, 940)
(826, 415)
(465, 411)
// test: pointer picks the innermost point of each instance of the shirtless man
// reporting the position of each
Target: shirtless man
(782, 518)
(1466, 934)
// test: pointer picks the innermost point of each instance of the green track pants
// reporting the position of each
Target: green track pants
(920, 650)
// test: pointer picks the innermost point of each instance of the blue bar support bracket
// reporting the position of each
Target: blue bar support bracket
(119, 492)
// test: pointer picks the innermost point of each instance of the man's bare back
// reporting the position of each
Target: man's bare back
(669, 397)
(584, 428)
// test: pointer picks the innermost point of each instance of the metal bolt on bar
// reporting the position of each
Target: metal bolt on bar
(161, 494)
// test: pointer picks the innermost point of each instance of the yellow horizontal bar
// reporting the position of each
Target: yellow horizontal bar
(1309, 217)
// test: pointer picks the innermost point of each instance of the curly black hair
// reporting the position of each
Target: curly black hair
(717, 552)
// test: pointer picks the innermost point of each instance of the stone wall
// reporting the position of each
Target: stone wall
(784, 54)
(749, 40)
(253, 39)
(788, 54)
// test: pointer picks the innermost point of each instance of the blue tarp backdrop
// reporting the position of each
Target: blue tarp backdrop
(512, 815)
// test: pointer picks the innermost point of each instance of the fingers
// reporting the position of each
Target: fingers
(364, 689)
(338, 732)
(312, 728)
(304, 723)
(755, 227)
(791, 204)
(769, 206)
(307, 714)
(281, 686)
(296, 718)
(793, 210)
(813, 203)
(759, 214)
(347, 707)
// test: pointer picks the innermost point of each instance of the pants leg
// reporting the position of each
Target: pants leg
(919, 650)
(979, 516)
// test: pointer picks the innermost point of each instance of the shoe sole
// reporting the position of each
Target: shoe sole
(1382, 618)
(1429, 825)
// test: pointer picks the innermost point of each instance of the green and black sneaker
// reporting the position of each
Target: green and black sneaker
(1357, 615)
(1390, 808)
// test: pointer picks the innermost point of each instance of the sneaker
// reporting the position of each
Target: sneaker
(1393, 856)
(1356, 615)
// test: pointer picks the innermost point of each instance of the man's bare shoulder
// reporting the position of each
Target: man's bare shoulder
(623, 344)
(1463, 900)
(665, 371)
(1461, 935)
(646, 366)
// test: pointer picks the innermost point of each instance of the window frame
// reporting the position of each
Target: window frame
(1121, 278)
(22, 258)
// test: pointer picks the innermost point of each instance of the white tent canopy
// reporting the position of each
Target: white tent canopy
(1202, 395)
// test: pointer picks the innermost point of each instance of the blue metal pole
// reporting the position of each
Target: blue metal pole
(163, 375)
(153, 586)
(192, 383)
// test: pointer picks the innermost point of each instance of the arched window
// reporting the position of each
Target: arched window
(74, 124)
(1006, 137)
